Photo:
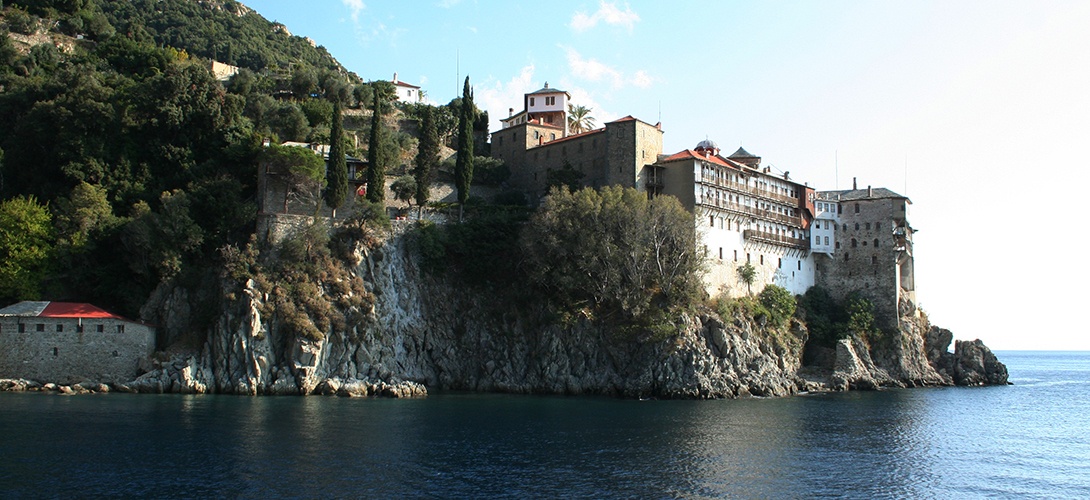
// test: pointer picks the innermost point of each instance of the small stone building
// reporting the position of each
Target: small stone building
(68, 343)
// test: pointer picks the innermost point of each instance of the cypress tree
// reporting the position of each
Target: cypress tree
(337, 169)
(427, 158)
(463, 165)
(376, 171)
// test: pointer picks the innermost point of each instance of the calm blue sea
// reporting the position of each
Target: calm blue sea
(1028, 440)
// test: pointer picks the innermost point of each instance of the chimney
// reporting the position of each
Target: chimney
(395, 76)
(854, 186)
(510, 112)
(870, 192)
(546, 84)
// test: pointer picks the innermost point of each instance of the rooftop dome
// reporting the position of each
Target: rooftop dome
(707, 144)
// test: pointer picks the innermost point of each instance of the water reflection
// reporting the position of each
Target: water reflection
(1002, 441)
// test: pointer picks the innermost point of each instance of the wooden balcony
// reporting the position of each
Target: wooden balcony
(776, 239)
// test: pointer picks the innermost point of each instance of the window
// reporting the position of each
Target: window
(711, 221)
(856, 208)
(762, 258)
(853, 242)
(40, 327)
(720, 253)
(800, 265)
(817, 240)
(120, 328)
(552, 137)
(877, 227)
(864, 242)
(100, 328)
(22, 328)
(60, 328)
(876, 243)
(779, 263)
(549, 101)
(79, 328)
(874, 259)
(856, 226)
(531, 101)
(868, 226)
(838, 245)
(56, 352)
(845, 228)
(826, 240)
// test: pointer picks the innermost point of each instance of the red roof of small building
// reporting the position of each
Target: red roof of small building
(75, 310)
(44, 309)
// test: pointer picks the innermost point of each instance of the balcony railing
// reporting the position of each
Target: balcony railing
(755, 212)
(776, 239)
(739, 187)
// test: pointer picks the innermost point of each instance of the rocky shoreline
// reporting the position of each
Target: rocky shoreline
(421, 333)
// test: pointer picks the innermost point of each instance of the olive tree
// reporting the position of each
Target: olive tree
(613, 253)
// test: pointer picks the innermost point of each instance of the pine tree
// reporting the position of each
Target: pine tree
(376, 171)
(337, 169)
(427, 158)
(463, 165)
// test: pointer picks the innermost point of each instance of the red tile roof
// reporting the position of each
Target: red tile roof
(75, 310)
(689, 154)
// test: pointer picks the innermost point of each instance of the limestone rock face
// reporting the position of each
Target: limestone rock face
(422, 333)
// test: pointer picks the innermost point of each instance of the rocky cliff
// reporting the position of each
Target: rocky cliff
(421, 333)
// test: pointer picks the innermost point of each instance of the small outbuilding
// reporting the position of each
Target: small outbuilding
(65, 342)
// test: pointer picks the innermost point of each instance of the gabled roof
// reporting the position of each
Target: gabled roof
(57, 310)
(403, 84)
(858, 194)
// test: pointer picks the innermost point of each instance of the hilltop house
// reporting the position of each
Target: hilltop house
(407, 92)
(70, 342)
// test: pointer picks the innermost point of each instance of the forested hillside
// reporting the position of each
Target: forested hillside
(123, 161)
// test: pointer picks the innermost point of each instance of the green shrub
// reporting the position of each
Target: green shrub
(779, 303)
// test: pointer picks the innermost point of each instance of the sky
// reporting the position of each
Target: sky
(978, 111)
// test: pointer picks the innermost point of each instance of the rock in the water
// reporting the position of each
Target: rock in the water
(974, 364)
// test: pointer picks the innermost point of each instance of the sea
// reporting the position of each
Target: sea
(1026, 440)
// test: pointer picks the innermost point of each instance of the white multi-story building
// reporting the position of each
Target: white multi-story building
(745, 214)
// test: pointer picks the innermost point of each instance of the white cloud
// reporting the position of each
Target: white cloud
(581, 97)
(607, 13)
(597, 71)
(356, 6)
(497, 97)
(641, 79)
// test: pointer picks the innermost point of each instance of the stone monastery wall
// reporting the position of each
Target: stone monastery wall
(55, 350)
